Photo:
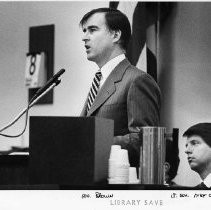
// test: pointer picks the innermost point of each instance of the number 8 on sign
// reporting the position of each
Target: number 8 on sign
(32, 67)
(34, 70)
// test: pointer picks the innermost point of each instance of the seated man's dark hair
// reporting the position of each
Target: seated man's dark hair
(201, 129)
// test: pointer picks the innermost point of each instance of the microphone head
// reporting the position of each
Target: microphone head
(61, 71)
(50, 82)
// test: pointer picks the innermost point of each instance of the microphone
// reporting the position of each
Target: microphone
(54, 79)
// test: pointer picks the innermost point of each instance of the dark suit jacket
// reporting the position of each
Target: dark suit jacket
(132, 99)
(202, 186)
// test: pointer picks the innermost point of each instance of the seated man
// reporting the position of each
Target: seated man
(198, 150)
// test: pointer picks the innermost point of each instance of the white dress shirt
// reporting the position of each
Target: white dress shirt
(109, 67)
(207, 180)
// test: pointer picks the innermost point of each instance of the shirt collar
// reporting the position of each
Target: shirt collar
(110, 65)
(207, 180)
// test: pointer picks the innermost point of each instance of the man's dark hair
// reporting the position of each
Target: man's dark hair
(201, 129)
(115, 21)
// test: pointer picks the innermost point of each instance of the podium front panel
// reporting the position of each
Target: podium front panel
(69, 150)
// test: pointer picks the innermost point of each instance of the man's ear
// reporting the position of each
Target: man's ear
(167, 167)
(117, 36)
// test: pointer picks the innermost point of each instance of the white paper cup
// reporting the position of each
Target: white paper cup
(111, 168)
(133, 176)
(111, 181)
(118, 166)
(122, 157)
(122, 168)
(114, 151)
(121, 180)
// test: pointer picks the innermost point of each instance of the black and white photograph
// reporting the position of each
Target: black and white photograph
(105, 104)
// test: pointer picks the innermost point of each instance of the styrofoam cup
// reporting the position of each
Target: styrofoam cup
(123, 157)
(114, 151)
(133, 176)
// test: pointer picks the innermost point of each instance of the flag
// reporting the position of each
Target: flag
(142, 49)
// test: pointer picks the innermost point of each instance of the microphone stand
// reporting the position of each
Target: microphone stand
(31, 103)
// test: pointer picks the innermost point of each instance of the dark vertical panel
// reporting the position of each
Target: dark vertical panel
(41, 39)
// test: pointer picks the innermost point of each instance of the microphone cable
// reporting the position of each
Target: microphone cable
(26, 121)
(30, 104)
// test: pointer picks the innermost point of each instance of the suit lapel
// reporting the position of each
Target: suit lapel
(83, 112)
(109, 86)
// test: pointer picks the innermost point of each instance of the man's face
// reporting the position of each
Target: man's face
(98, 39)
(199, 153)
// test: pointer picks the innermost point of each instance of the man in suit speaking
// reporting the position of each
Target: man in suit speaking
(119, 90)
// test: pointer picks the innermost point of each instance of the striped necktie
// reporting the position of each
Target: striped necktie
(94, 89)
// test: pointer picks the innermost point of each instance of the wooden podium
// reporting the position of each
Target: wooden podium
(69, 150)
